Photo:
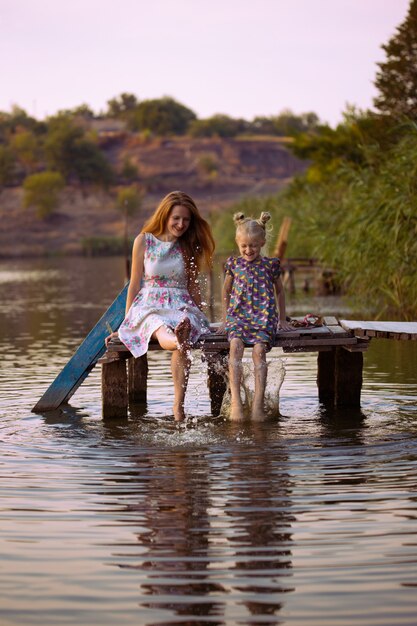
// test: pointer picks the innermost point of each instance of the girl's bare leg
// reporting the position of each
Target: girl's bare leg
(178, 342)
(260, 368)
(235, 378)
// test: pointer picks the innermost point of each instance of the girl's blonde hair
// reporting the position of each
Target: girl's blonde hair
(197, 242)
(250, 226)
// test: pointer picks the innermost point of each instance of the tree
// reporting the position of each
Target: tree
(26, 146)
(162, 116)
(71, 153)
(218, 125)
(42, 191)
(397, 79)
(122, 105)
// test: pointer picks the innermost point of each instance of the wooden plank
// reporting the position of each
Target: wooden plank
(215, 343)
(339, 331)
(307, 349)
(394, 330)
(84, 359)
(329, 320)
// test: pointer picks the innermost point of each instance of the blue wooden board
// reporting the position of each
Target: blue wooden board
(84, 359)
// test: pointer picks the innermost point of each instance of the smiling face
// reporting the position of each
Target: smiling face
(249, 246)
(178, 222)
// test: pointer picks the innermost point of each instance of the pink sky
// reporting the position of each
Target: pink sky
(240, 57)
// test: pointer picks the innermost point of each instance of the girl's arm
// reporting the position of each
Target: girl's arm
(138, 254)
(280, 293)
(226, 293)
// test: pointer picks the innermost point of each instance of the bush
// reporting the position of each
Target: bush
(42, 191)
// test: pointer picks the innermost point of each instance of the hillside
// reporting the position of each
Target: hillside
(215, 172)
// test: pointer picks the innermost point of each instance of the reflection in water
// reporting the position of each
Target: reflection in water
(215, 532)
(258, 510)
(307, 519)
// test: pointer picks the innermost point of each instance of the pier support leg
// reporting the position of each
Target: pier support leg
(326, 367)
(348, 378)
(216, 379)
(339, 377)
(114, 389)
(137, 378)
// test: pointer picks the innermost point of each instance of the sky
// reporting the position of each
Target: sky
(243, 58)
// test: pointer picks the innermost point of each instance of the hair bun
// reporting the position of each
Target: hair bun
(264, 218)
(238, 218)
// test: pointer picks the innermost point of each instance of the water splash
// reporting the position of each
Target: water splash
(276, 375)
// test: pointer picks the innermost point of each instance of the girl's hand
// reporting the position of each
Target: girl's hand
(284, 325)
(221, 330)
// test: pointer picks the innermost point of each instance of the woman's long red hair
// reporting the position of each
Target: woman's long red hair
(197, 242)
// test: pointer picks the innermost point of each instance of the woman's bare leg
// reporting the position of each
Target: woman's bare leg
(235, 378)
(177, 341)
(180, 368)
(261, 369)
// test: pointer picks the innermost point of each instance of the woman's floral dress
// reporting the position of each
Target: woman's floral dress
(252, 314)
(163, 298)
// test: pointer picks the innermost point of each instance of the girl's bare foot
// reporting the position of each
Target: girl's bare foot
(236, 412)
(258, 413)
(182, 332)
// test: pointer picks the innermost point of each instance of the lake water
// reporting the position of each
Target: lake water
(307, 519)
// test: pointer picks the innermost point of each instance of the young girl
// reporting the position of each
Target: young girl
(163, 299)
(252, 289)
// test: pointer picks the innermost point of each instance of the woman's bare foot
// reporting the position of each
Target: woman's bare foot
(182, 332)
(236, 412)
(179, 414)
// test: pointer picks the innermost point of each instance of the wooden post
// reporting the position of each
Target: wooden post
(216, 379)
(326, 364)
(348, 378)
(339, 377)
(282, 240)
(114, 389)
(137, 378)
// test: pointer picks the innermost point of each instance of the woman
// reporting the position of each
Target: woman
(163, 300)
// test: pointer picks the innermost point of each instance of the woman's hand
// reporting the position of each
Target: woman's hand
(110, 337)
(221, 330)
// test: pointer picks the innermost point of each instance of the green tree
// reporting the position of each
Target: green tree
(163, 116)
(122, 105)
(396, 80)
(218, 125)
(26, 146)
(71, 153)
(288, 123)
(362, 220)
(42, 191)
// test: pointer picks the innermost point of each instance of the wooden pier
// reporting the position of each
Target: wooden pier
(339, 344)
(339, 378)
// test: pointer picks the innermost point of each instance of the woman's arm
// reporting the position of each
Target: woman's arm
(280, 293)
(138, 254)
